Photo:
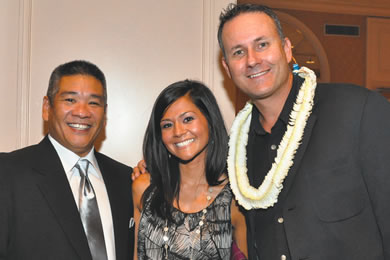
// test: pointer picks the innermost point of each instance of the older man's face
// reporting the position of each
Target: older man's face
(77, 114)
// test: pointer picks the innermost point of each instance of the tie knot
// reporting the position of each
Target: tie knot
(82, 165)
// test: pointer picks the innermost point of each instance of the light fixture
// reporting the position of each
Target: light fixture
(310, 61)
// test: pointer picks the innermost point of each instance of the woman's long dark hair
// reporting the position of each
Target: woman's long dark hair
(164, 170)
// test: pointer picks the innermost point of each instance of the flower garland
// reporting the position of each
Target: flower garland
(266, 195)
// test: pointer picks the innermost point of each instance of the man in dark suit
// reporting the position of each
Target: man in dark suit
(320, 154)
(40, 186)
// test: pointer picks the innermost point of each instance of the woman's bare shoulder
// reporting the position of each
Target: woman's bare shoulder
(140, 184)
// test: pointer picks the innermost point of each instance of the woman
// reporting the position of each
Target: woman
(185, 208)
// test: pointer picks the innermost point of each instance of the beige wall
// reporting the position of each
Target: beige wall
(8, 73)
(141, 46)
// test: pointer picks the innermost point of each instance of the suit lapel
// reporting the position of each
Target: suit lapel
(292, 175)
(54, 185)
(118, 202)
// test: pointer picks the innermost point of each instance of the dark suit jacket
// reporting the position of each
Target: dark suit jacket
(38, 216)
(337, 200)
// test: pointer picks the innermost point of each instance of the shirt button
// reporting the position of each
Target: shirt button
(273, 147)
(283, 257)
(280, 220)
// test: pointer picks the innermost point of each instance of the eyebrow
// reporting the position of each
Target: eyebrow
(97, 96)
(255, 40)
(163, 120)
(261, 38)
(74, 93)
(181, 115)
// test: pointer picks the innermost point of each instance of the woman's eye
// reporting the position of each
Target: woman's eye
(166, 125)
(188, 119)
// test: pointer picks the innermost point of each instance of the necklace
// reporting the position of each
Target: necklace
(266, 195)
(197, 230)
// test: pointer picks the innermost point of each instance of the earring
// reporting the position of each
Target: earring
(169, 155)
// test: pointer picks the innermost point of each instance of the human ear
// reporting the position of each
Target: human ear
(46, 108)
(287, 49)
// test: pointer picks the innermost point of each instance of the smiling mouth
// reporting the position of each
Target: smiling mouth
(258, 74)
(184, 143)
(79, 126)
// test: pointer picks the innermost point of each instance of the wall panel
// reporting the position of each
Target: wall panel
(141, 46)
(9, 27)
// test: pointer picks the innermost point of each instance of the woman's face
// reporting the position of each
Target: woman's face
(184, 130)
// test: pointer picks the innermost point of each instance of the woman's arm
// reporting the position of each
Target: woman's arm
(138, 187)
(239, 228)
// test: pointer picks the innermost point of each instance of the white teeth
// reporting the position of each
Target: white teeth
(79, 126)
(184, 143)
(257, 75)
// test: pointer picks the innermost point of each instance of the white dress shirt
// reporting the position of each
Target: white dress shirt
(69, 160)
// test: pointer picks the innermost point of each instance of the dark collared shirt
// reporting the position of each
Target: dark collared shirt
(266, 234)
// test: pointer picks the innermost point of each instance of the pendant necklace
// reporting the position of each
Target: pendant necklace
(197, 230)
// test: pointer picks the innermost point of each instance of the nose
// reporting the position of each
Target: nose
(82, 110)
(179, 130)
(253, 58)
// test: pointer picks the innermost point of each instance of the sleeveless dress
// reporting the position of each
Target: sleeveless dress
(213, 242)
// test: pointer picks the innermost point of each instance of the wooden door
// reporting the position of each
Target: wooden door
(378, 55)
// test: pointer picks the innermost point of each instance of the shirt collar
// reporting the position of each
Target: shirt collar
(255, 122)
(285, 114)
(292, 96)
(69, 159)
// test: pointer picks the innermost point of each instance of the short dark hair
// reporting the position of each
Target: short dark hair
(77, 67)
(234, 10)
(164, 169)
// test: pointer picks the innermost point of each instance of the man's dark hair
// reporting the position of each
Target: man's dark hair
(77, 67)
(234, 10)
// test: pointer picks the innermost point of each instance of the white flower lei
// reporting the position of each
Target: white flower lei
(267, 194)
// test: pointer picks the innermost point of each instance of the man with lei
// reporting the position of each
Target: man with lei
(309, 163)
